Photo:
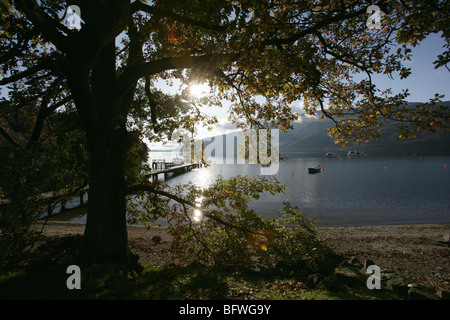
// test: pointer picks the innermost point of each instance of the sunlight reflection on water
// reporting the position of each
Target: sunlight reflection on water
(351, 191)
(348, 192)
(198, 214)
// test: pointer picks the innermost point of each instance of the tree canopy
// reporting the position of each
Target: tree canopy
(92, 91)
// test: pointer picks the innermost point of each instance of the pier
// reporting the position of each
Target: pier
(67, 203)
(168, 168)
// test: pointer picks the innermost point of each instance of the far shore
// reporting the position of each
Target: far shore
(418, 251)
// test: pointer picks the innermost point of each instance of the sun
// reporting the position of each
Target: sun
(198, 90)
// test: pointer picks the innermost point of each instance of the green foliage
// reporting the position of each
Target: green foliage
(35, 180)
(45, 278)
(109, 282)
(16, 237)
(219, 229)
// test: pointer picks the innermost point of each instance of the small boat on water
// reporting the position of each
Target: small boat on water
(353, 153)
(314, 169)
(330, 155)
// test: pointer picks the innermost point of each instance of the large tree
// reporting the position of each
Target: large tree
(260, 55)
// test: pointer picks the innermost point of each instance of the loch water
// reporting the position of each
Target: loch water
(349, 190)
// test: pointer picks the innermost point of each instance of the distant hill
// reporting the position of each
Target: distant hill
(310, 136)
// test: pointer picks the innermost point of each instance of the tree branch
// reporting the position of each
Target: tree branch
(135, 72)
(8, 138)
(45, 64)
(43, 22)
(44, 112)
(312, 29)
(19, 48)
(151, 102)
(327, 49)
(139, 6)
(149, 188)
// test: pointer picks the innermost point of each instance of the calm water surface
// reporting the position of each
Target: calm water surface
(351, 191)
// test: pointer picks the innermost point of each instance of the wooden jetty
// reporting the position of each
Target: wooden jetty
(51, 200)
(175, 170)
(161, 167)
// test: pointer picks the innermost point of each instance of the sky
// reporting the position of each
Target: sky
(423, 82)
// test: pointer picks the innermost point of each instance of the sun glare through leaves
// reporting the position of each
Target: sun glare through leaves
(198, 90)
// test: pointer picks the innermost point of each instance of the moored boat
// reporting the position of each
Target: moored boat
(353, 153)
(314, 169)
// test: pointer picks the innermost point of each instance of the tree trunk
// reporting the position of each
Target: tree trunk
(103, 106)
(105, 237)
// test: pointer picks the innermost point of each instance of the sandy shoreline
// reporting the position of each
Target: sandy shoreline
(414, 250)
